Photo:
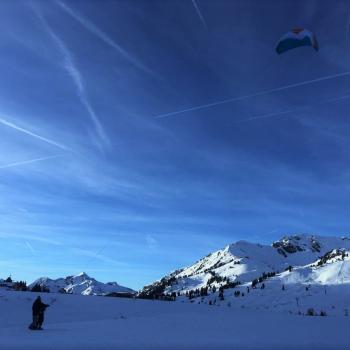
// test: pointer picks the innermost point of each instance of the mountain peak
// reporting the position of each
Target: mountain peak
(308, 243)
(80, 284)
(243, 261)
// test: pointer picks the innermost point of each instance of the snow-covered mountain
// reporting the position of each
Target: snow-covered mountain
(308, 258)
(79, 284)
(322, 287)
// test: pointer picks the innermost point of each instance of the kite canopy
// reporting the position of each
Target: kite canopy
(295, 38)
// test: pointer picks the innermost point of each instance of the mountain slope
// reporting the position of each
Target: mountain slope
(320, 287)
(243, 262)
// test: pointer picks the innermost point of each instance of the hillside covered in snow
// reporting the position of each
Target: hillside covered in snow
(297, 260)
(79, 284)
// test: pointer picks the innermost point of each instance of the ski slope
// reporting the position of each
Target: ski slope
(92, 322)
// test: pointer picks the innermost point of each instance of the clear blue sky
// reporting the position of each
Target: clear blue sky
(91, 181)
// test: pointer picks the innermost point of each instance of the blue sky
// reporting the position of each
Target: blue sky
(91, 180)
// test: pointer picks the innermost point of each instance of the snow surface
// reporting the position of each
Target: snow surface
(285, 294)
(91, 322)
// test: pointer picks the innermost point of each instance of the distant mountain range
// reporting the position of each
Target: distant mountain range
(79, 284)
(293, 260)
(294, 274)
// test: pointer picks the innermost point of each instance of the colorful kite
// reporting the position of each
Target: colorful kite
(296, 38)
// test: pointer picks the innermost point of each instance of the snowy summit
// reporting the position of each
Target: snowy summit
(79, 284)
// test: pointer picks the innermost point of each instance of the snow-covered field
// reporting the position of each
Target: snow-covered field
(87, 322)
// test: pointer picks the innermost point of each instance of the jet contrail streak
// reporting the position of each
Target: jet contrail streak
(297, 109)
(11, 165)
(92, 28)
(261, 93)
(51, 142)
(29, 246)
(200, 15)
(74, 73)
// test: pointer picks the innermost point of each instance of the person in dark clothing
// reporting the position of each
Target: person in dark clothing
(41, 315)
(38, 309)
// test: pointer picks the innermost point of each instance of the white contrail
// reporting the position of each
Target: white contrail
(200, 15)
(11, 165)
(297, 109)
(29, 246)
(92, 28)
(261, 93)
(51, 142)
(74, 73)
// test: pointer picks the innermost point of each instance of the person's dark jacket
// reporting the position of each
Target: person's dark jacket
(38, 307)
(41, 314)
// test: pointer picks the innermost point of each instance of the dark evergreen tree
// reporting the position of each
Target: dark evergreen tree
(40, 289)
(311, 312)
(20, 286)
(289, 268)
